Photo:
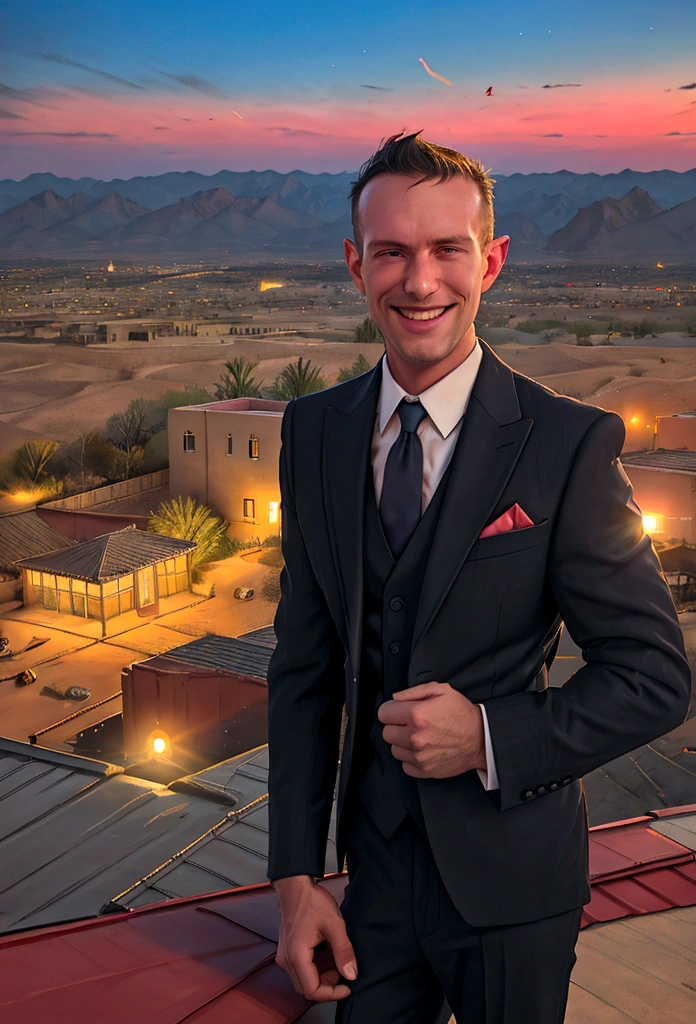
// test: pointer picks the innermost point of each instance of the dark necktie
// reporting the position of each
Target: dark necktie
(400, 504)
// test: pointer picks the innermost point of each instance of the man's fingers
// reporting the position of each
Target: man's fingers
(304, 969)
(341, 948)
(420, 692)
(393, 713)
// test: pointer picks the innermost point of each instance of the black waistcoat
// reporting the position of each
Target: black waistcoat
(391, 591)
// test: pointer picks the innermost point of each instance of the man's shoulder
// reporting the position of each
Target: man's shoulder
(311, 409)
(537, 400)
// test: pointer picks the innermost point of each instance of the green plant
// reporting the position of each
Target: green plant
(368, 333)
(186, 519)
(239, 382)
(360, 366)
(297, 379)
(31, 460)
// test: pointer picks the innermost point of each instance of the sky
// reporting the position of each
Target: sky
(141, 87)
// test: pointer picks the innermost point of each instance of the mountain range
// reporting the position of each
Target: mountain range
(266, 211)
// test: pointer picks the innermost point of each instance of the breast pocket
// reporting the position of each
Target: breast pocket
(510, 543)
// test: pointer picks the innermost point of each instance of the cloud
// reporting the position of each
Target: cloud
(292, 133)
(600, 136)
(54, 58)
(380, 88)
(679, 133)
(161, 128)
(9, 115)
(195, 83)
(563, 85)
(550, 135)
(692, 85)
(65, 135)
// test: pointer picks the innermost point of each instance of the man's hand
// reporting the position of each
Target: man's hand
(434, 730)
(310, 918)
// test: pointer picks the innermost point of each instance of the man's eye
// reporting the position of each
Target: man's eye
(449, 248)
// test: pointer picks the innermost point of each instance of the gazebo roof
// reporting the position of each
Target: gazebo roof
(109, 556)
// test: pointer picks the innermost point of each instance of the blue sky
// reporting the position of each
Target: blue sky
(78, 71)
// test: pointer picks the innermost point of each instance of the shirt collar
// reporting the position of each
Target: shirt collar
(445, 402)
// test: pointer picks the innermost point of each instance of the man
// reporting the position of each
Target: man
(442, 516)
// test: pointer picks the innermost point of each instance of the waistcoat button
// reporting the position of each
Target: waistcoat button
(395, 648)
(396, 604)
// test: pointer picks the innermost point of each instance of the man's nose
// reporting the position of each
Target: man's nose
(421, 277)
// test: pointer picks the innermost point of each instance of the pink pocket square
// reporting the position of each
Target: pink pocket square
(514, 519)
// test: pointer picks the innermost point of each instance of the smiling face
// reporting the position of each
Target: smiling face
(423, 270)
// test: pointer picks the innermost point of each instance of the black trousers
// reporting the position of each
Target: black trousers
(417, 956)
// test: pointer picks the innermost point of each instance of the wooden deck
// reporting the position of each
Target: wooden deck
(639, 970)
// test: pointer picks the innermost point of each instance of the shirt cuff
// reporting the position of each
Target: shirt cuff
(489, 778)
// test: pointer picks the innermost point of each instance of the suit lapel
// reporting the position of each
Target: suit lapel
(491, 439)
(347, 439)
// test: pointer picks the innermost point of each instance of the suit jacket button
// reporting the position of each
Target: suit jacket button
(566, 780)
(395, 648)
(396, 604)
(552, 786)
(527, 794)
(539, 790)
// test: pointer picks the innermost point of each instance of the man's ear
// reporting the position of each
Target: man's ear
(353, 261)
(497, 251)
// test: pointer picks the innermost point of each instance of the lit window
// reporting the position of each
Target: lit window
(653, 523)
(189, 441)
(273, 507)
(253, 447)
(249, 508)
(229, 444)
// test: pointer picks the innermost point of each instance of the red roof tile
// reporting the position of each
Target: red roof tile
(209, 959)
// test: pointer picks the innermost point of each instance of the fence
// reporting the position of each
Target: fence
(110, 492)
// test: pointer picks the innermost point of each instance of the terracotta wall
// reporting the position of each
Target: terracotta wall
(676, 432)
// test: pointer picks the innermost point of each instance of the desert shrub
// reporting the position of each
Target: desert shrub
(272, 557)
(270, 587)
(368, 333)
(539, 326)
(186, 519)
(360, 366)
(239, 381)
(636, 371)
(296, 380)
(156, 454)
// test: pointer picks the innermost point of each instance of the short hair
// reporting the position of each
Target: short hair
(411, 155)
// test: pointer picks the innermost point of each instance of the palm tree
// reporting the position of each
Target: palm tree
(239, 382)
(31, 459)
(368, 333)
(186, 519)
(297, 379)
(360, 365)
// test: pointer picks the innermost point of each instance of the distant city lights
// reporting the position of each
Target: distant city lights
(265, 285)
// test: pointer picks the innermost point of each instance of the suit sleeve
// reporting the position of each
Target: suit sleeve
(635, 684)
(306, 692)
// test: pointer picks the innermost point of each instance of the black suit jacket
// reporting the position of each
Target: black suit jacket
(489, 613)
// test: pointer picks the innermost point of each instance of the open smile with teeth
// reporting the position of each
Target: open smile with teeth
(422, 314)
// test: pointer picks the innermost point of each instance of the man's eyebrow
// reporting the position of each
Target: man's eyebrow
(390, 243)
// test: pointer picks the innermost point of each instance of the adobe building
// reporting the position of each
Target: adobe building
(129, 570)
(664, 480)
(225, 455)
(207, 697)
(678, 432)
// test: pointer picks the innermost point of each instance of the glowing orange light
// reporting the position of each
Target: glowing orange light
(634, 419)
(265, 285)
(652, 523)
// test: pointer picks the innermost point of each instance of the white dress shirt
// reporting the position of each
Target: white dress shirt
(445, 403)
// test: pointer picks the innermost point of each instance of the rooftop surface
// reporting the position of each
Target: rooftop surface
(267, 405)
(211, 958)
(73, 831)
(24, 534)
(678, 461)
(219, 654)
(109, 556)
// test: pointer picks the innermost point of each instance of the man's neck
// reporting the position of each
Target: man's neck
(417, 377)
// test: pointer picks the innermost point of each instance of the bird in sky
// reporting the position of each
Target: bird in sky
(434, 74)
(489, 90)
